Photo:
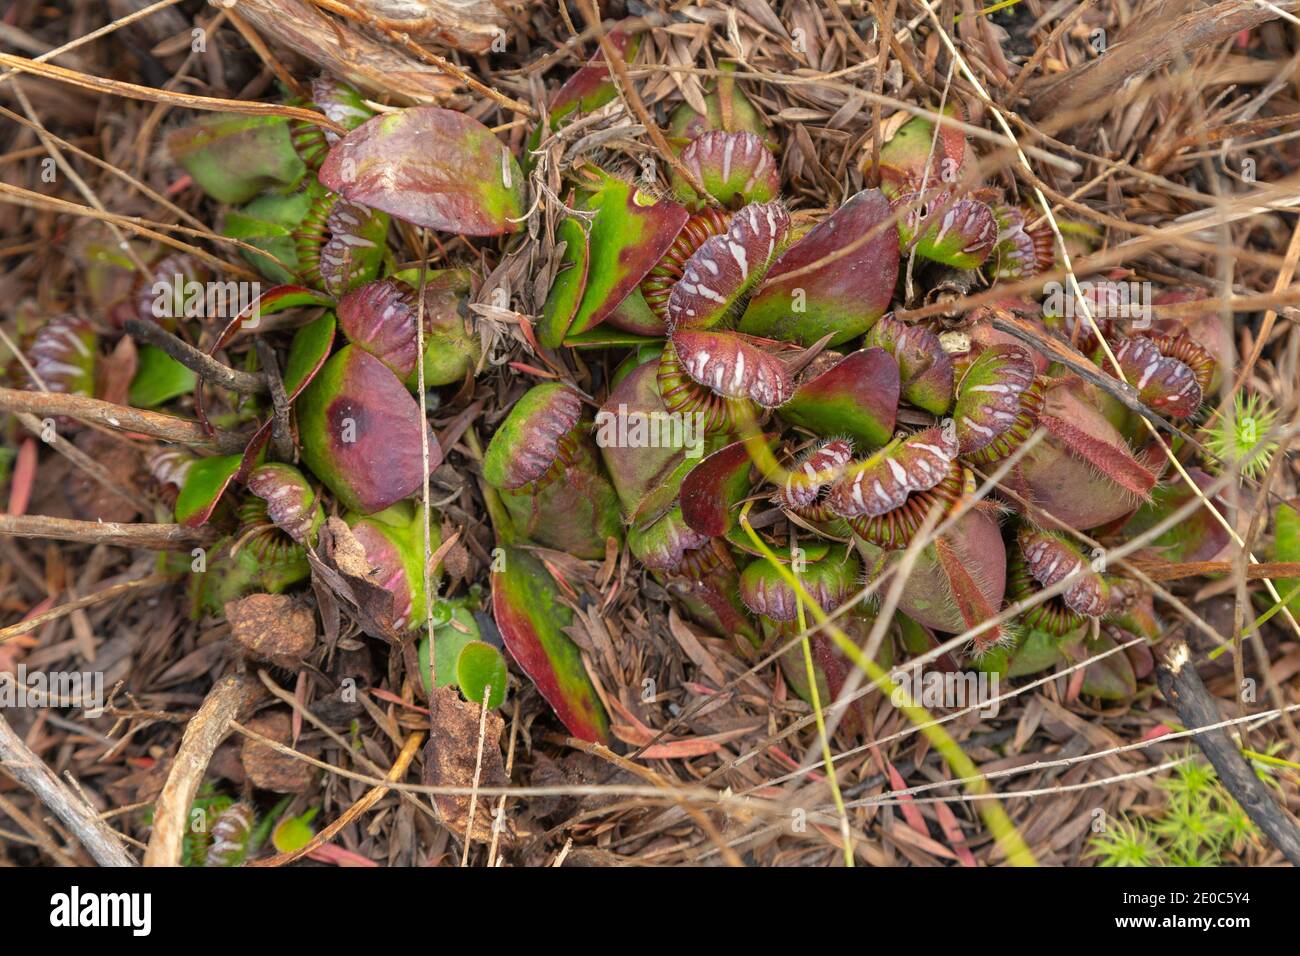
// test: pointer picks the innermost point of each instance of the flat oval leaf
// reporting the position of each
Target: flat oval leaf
(481, 672)
(570, 283)
(628, 235)
(158, 378)
(838, 279)
(431, 167)
(360, 431)
(856, 396)
(205, 483)
(307, 354)
(713, 487)
(531, 618)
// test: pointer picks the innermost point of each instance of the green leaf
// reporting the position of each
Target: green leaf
(480, 671)
(158, 378)
(293, 833)
(448, 639)
(628, 236)
(206, 482)
(307, 353)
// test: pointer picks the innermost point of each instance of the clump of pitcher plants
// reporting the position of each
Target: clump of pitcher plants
(759, 363)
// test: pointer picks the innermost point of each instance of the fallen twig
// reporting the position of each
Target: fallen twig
(95, 835)
(1182, 687)
(203, 735)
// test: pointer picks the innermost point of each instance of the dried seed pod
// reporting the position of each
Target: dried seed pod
(925, 367)
(734, 168)
(658, 284)
(230, 834)
(1165, 384)
(817, 468)
(63, 355)
(731, 366)
(272, 627)
(1051, 559)
(725, 267)
(991, 400)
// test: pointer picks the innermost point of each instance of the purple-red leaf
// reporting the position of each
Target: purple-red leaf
(431, 167)
(838, 279)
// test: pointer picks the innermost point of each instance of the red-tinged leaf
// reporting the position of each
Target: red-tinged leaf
(1197, 537)
(976, 588)
(431, 167)
(734, 168)
(1165, 384)
(837, 279)
(714, 486)
(205, 483)
(906, 802)
(953, 832)
(856, 395)
(727, 266)
(635, 470)
(531, 618)
(885, 480)
(360, 431)
(276, 299)
(591, 87)
(904, 158)
(233, 157)
(629, 234)
(1110, 678)
(307, 354)
(733, 367)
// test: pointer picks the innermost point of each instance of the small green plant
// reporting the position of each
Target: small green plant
(1199, 824)
(1240, 438)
